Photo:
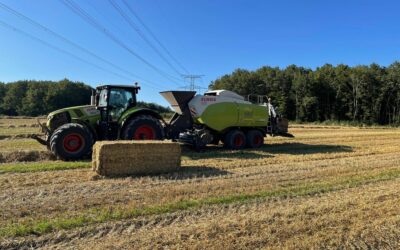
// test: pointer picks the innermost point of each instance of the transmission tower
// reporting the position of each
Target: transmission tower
(192, 82)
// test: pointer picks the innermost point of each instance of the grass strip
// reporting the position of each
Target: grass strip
(41, 166)
(40, 227)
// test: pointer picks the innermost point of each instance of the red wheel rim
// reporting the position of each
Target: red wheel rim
(238, 141)
(144, 132)
(257, 140)
(73, 142)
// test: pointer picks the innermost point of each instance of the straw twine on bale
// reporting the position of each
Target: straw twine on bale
(113, 158)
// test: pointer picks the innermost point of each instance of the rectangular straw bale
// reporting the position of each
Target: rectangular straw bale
(113, 158)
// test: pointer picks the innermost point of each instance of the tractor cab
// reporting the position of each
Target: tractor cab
(113, 101)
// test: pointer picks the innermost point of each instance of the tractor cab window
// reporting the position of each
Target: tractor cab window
(119, 101)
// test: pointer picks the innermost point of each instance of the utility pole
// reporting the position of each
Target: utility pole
(191, 80)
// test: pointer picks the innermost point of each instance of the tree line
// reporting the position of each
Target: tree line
(34, 98)
(362, 94)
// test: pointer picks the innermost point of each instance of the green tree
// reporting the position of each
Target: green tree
(33, 104)
(66, 93)
(33, 98)
(154, 106)
(369, 94)
(325, 91)
(390, 107)
(2, 94)
(12, 103)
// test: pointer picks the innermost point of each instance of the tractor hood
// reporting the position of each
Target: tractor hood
(86, 110)
(87, 113)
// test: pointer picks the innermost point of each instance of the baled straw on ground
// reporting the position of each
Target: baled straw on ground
(113, 158)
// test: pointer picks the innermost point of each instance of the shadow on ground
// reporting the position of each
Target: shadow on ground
(267, 151)
(184, 172)
(301, 148)
(212, 152)
(189, 172)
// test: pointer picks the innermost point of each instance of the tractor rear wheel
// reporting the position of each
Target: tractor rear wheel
(235, 139)
(143, 127)
(254, 139)
(71, 141)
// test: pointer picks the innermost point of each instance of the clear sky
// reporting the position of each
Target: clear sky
(210, 37)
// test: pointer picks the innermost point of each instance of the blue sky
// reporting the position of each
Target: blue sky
(207, 37)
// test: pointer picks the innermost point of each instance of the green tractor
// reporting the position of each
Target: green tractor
(71, 132)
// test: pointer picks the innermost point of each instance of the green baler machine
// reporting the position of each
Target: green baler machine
(219, 115)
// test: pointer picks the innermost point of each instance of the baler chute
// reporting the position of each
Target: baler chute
(181, 120)
(178, 99)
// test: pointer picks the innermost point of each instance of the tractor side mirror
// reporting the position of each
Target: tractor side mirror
(92, 98)
(137, 87)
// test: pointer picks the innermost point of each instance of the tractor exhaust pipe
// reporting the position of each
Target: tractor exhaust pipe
(93, 98)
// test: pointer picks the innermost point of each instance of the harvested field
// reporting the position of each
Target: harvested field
(8, 131)
(329, 187)
(17, 128)
(26, 156)
(19, 121)
(12, 145)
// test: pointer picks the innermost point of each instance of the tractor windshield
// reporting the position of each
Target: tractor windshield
(119, 101)
(114, 101)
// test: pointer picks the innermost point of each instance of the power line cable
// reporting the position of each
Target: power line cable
(9, 26)
(141, 34)
(86, 17)
(101, 15)
(154, 36)
(66, 40)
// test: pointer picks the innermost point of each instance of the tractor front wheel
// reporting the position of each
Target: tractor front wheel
(235, 139)
(71, 141)
(143, 127)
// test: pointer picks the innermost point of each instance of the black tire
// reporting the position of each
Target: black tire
(143, 127)
(215, 140)
(254, 139)
(235, 139)
(71, 141)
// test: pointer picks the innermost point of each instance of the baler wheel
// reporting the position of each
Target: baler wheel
(235, 139)
(255, 139)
